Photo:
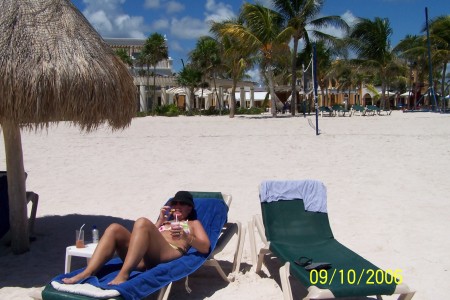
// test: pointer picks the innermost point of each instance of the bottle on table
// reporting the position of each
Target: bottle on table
(95, 234)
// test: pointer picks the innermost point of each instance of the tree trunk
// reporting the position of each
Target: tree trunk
(273, 97)
(294, 77)
(383, 93)
(147, 74)
(155, 102)
(232, 103)
(18, 220)
(444, 71)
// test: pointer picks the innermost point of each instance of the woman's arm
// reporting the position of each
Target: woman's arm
(163, 215)
(197, 237)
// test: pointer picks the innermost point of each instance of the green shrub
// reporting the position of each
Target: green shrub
(141, 114)
(249, 111)
(168, 110)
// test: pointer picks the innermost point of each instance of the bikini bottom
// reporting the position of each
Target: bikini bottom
(181, 250)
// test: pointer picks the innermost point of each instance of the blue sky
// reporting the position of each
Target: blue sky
(184, 21)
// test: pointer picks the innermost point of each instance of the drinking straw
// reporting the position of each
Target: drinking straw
(79, 232)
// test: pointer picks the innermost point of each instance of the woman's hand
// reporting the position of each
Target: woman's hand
(165, 213)
(176, 230)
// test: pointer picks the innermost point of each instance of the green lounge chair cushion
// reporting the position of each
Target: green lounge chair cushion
(294, 232)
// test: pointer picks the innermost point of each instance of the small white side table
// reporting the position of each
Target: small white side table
(81, 252)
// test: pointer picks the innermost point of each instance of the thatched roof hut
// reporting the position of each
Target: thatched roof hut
(54, 67)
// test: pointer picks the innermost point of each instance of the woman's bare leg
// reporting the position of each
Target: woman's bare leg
(115, 238)
(146, 244)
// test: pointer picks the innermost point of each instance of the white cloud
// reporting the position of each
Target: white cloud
(267, 3)
(152, 4)
(350, 18)
(175, 46)
(193, 28)
(188, 28)
(338, 32)
(100, 21)
(255, 75)
(174, 7)
(218, 11)
(160, 24)
(109, 19)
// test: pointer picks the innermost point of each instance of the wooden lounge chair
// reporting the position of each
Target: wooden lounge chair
(294, 227)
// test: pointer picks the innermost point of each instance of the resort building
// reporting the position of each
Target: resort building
(167, 89)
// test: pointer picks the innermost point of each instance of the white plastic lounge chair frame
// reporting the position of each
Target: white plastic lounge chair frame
(316, 293)
(229, 230)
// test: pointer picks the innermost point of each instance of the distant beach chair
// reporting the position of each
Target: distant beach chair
(340, 109)
(294, 227)
(388, 111)
(4, 208)
(359, 109)
(326, 110)
(373, 109)
(212, 209)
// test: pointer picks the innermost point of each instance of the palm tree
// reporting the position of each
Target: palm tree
(154, 51)
(123, 55)
(440, 40)
(236, 56)
(413, 49)
(371, 42)
(351, 75)
(300, 15)
(190, 77)
(262, 30)
(326, 70)
(206, 57)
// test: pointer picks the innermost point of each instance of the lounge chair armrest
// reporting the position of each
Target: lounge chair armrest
(405, 292)
(34, 199)
(230, 229)
(313, 291)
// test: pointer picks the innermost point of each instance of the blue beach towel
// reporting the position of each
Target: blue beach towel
(211, 212)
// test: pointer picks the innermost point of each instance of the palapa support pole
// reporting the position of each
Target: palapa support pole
(18, 220)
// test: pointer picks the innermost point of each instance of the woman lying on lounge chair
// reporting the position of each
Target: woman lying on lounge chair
(149, 243)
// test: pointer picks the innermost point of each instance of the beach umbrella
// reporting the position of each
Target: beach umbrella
(53, 67)
(177, 90)
(203, 92)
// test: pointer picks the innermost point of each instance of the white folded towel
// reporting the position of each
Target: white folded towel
(85, 289)
(312, 192)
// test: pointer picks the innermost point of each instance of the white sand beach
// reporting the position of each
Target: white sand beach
(388, 182)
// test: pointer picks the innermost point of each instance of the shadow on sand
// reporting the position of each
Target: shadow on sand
(273, 265)
(53, 234)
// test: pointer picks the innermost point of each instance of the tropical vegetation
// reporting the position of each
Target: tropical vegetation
(278, 40)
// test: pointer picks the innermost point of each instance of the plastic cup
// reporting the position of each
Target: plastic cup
(79, 238)
(175, 225)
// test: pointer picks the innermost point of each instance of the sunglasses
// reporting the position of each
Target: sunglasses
(178, 202)
(303, 261)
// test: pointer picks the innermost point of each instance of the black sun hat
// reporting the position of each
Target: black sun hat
(184, 197)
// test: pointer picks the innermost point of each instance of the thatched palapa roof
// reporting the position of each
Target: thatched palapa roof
(55, 67)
